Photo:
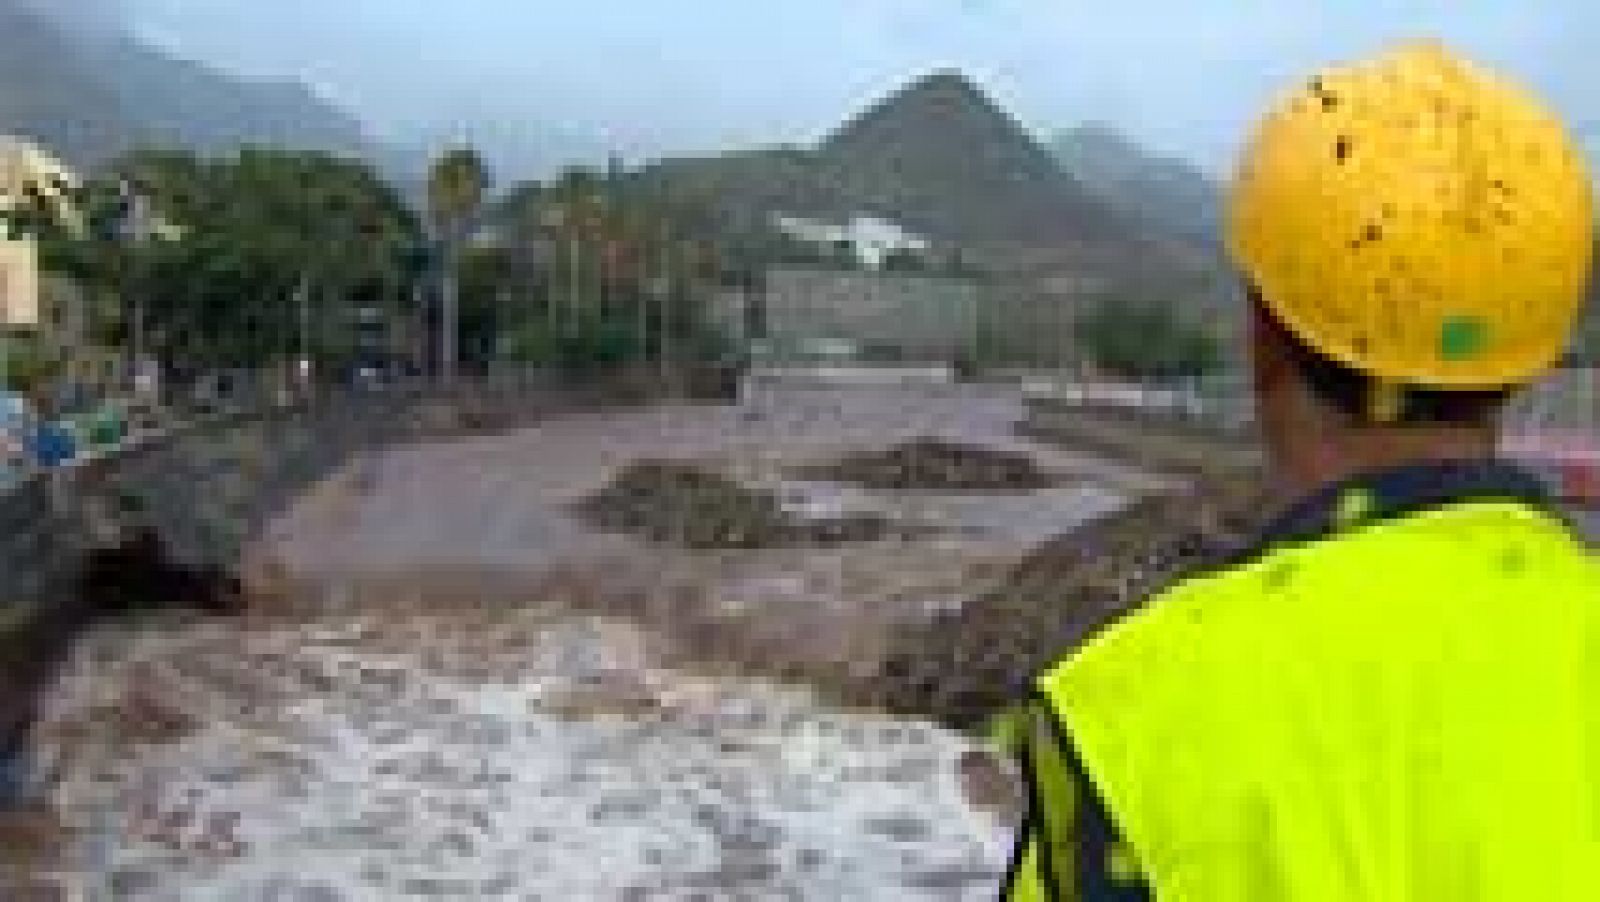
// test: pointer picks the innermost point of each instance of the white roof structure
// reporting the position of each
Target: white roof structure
(873, 238)
(24, 166)
(26, 169)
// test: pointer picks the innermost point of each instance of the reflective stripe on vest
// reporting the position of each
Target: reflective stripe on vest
(1406, 711)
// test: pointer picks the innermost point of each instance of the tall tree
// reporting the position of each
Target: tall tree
(612, 269)
(458, 184)
(270, 249)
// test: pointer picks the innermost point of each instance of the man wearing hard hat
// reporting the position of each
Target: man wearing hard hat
(1395, 694)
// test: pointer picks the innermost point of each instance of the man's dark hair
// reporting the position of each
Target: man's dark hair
(1349, 391)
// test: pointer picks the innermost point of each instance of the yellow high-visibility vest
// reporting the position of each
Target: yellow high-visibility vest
(1409, 710)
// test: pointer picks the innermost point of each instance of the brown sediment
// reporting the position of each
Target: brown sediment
(687, 505)
(962, 666)
(929, 463)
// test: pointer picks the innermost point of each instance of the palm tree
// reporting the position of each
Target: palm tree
(458, 183)
(575, 207)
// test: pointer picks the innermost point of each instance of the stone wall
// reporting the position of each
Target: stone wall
(924, 317)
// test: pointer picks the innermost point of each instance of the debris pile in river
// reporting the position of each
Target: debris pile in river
(684, 505)
(963, 665)
(939, 465)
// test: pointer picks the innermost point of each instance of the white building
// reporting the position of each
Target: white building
(27, 171)
(872, 239)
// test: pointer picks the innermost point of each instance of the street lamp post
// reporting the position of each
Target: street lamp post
(129, 227)
(449, 304)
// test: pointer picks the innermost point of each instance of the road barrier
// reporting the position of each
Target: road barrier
(842, 375)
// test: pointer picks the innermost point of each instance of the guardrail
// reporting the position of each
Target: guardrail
(347, 418)
(829, 374)
(1220, 408)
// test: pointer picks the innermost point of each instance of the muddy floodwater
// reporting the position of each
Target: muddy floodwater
(467, 693)
(490, 757)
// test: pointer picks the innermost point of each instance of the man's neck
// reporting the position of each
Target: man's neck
(1354, 451)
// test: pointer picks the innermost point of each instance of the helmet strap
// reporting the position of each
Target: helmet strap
(1386, 400)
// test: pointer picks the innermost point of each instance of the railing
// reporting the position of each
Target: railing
(1223, 406)
(830, 374)
(492, 397)
(1554, 430)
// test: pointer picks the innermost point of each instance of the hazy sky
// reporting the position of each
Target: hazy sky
(655, 76)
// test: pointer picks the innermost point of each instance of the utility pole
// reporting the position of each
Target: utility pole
(416, 338)
(302, 299)
(642, 304)
(662, 289)
(449, 300)
(574, 286)
(131, 226)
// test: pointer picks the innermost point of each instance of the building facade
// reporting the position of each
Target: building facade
(903, 316)
(29, 175)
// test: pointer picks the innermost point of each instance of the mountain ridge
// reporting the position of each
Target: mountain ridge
(90, 94)
(937, 154)
(949, 160)
(1170, 195)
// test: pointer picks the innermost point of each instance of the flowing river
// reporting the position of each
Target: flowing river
(447, 721)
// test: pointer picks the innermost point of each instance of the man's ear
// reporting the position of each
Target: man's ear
(1269, 359)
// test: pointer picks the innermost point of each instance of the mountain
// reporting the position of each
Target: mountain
(92, 93)
(945, 159)
(1166, 194)
(1589, 137)
(49, 95)
(938, 156)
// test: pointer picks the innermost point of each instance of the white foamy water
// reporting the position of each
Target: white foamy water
(493, 757)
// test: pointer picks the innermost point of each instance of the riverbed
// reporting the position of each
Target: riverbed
(461, 691)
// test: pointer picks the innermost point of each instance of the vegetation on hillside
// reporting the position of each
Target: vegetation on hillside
(235, 261)
(269, 255)
(26, 364)
(1168, 195)
(938, 156)
(599, 268)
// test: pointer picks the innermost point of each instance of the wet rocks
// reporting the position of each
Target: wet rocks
(685, 505)
(898, 827)
(28, 835)
(962, 666)
(938, 465)
(989, 784)
(144, 713)
(461, 788)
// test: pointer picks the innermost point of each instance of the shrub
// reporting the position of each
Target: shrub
(1147, 340)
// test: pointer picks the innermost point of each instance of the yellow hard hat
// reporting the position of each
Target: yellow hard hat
(1418, 219)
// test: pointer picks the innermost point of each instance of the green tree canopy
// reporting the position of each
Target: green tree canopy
(458, 184)
(1144, 339)
(604, 267)
(264, 237)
